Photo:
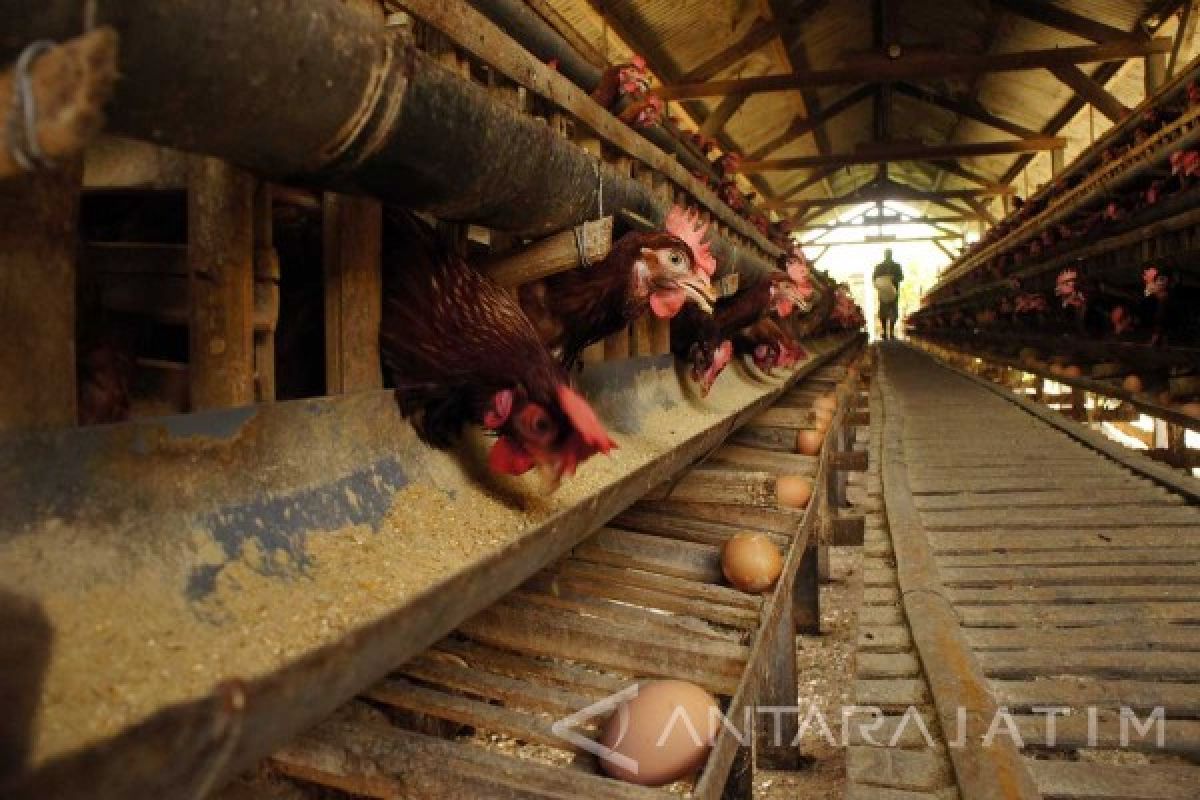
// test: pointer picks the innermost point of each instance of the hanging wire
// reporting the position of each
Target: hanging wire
(24, 146)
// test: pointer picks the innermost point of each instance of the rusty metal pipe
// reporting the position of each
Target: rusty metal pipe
(337, 102)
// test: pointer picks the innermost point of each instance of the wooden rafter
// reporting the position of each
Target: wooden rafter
(757, 37)
(958, 170)
(979, 207)
(905, 151)
(873, 193)
(1188, 17)
(893, 219)
(719, 118)
(1091, 91)
(873, 68)
(1061, 19)
(805, 125)
(969, 108)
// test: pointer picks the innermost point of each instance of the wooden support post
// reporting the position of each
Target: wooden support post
(353, 237)
(739, 785)
(38, 245)
(1079, 404)
(777, 729)
(1155, 71)
(266, 293)
(806, 596)
(1057, 161)
(220, 284)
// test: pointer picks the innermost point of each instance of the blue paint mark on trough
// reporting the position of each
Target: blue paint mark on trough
(222, 424)
(284, 523)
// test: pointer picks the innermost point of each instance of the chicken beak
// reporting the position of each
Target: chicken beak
(550, 476)
(803, 304)
(700, 292)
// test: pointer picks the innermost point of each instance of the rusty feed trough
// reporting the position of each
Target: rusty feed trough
(643, 598)
(208, 587)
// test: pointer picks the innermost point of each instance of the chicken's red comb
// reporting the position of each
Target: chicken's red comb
(687, 225)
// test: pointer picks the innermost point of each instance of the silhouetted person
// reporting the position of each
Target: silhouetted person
(887, 278)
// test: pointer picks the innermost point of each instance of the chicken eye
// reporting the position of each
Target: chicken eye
(676, 258)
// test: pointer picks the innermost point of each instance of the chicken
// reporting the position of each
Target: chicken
(105, 374)
(698, 342)
(459, 350)
(629, 81)
(768, 345)
(659, 271)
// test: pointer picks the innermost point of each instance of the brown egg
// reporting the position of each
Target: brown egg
(1072, 371)
(1192, 409)
(1028, 355)
(826, 401)
(1132, 383)
(663, 734)
(793, 491)
(809, 442)
(1164, 398)
(751, 562)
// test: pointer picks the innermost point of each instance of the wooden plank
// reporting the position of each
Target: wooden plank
(506, 690)
(619, 548)
(1065, 780)
(985, 577)
(730, 616)
(924, 770)
(773, 520)
(769, 460)
(1163, 555)
(1047, 499)
(38, 245)
(708, 484)
(551, 672)
(951, 543)
(1164, 637)
(1065, 595)
(1178, 612)
(684, 529)
(955, 677)
(1068, 21)
(544, 591)
(1012, 665)
(709, 592)
(898, 151)
(1128, 516)
(220, 284)
(714, 665)
(1104, 102)
(353, 259)
(1177, 699)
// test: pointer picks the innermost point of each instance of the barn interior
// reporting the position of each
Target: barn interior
(624, 399)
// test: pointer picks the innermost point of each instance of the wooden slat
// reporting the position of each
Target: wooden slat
(620, 548)
(1064, 780)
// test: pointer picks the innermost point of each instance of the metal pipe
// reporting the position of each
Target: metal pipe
(331, 99)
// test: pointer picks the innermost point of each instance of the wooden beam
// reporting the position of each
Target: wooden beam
(980, 208)
(804, 125)
(816, 176)
(969, 108)
(1188, 17)
(873, 68)
(1091, 91)
(958, 170)
(941, 237)
(759, 35)
(353, 241)
(1102, 76)
(719, 118)
(38, 249)
(905, 151)
(892, 219)
(1061, 19)
(946, 250)
(220, 285)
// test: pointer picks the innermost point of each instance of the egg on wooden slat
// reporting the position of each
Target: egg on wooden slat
(793, 491)
(809, 442)
(663, 734)
(751, 562)
(1192, 409)
(1132, 383)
